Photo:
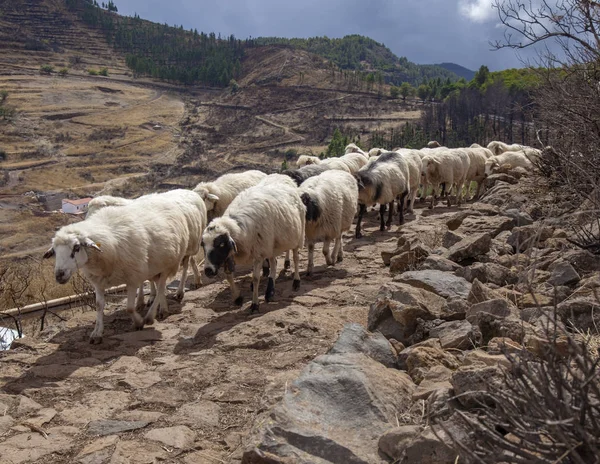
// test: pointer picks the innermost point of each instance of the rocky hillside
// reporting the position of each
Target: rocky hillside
(347, 369)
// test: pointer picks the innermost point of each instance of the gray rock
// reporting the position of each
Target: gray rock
(438, 282)
(436, 378)
(469, 247)
(480, 293)
(394, 442)
(493, 225)
(180, 436)
(471, 382)
(113, 427)
(355, 339)
(492, 179)
(424, 448)
(582, 260)
(451, 238)
(456, 334)
(419, 358)
(488, 273)
(499, 308)
(563, 274)
(521, 218)
(438, 263)
(455, 309)
(582, 312)
(526, 237)
(511, 327)
(336, 411)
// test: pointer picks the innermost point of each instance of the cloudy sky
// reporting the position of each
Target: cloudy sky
(425, 31)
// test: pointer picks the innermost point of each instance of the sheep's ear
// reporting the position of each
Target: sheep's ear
(233, 245)
(49, 253)
(88, 243)
(212, 197)
(360, 184)
(436, 161)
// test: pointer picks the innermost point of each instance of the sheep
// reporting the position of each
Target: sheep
(476, 172)
(513, 158)
(331, 200)
(354, 161)
(337, 163)
(144, 240)
(475, 145)
(305, 160)
(218, 194)
(433, 144)
(497, 148)
(415, 166)
(376, 152)
(97, 203)
(353, 148)
(449, 167)
(261, 223)
(305, 172)
(382, 182)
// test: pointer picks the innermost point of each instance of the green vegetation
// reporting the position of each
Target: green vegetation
(406, 89)
(6, 112)
(394, 91)
(356, 52)
(92, 72)
(103, 72)
(63, 72)
(46, 69)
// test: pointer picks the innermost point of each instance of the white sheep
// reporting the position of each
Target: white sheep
(382, 182)
(102, 201)
(376, 152)
(353, 148)
(305, 172)
(449, 167)
(261, 223)
(433, 144)
(497, 148)
(337, 163)
(331, 200)
(219, 194)
(415, 167)
(305, 160)
(475, 145)
(144, 240)
(513, 158)
(354, 161)
(476, 173)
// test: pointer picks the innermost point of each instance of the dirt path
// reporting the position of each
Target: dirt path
(197, 380)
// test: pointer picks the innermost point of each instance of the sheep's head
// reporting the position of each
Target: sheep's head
(367, 190)
(70, 252)
(219, 249)
(210, 199)
(430, 168)
(490, 165)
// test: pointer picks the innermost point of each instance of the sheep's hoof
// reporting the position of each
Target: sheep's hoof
(266, 271)
(251, 286)
(430, 206)
(381, 228)
(179, 296)
(147, 321)
(239, 300)
(296, 284)
(195, 286)
(358, 234)
(270, 293)
(287, 264)
(340, 258)
(308, 273)
(254, 308)
(95, 340)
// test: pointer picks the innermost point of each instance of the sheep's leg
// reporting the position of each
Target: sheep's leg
(139, 304)
(401, 210)
(296, 284)
(311, 258)
(160, 302)
(326, 252)
(424, 188)
(382, 208)
(361, 212)
(270, 293)
(391, 215)
(433, 196)
(255, 283)
(338, 254)
(287, 263)
(138, 322)
(181, 287)
(411, 201)
(96, 336)
(265, 266)
(236, 296)
(197, 277)
(152, 292)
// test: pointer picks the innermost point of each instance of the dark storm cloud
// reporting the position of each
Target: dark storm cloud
(425, 31)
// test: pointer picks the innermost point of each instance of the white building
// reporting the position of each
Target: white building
(75, 206)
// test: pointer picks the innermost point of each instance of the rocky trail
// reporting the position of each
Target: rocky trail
(303, 380)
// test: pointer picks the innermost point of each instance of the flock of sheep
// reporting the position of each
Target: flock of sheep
(252, 217)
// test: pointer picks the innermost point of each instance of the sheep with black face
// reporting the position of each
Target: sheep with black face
(261, 223)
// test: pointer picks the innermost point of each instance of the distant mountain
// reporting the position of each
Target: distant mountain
(458, 69)
(359, 53)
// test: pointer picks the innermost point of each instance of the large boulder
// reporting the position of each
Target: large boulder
(438, 282)
(563, 274)
(418, 359)
(416, 445)
(489, 273)
(399, 307)
(355, 339)
(439, 263)
(451, 238)
(469, 247)
(521, 218)
(526, 237)
(499, 308)
(459, 335)
(336, 411)
(493, 225)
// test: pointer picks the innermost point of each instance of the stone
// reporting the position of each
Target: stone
(421, 357)
(439, 263)
(394, 442)
(386, 256)
(27, 406)
(355, 396)
(179, 436)
(404, 262)
(455, 309)
(43, 416)
(482, 358)
(99, 451)
(469, 247)
(134, 452)
(398, 307)
(471, 382)
(501, 345)
(451, 238)
(457, 219)
(436, 378)
(582, 260)
(441, 402)
(424, 448)
(6, 422)
(112, 427)
(563, 274)
(583, 313)
(526, 237)
(456, 334)
(498, 308)
(492, 225)
(199, 413)
(521, 218)
(489, 273)
(492, 326)
(535, 300)
(492, 179)
(438, 282)
(355, 339)
(479, 293)
(31, 446)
